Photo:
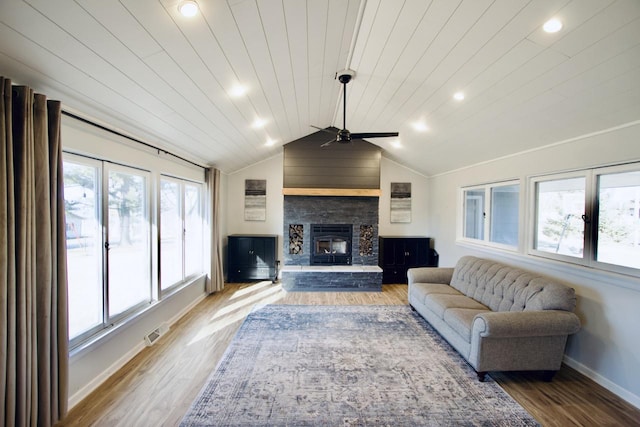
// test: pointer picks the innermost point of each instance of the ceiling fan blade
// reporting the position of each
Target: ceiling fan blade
(323, 129)
(365, 135)
(328, 143)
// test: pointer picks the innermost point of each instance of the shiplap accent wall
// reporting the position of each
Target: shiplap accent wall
(355, 165)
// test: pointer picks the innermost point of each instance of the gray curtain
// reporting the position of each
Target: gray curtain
(33, 280)
(215, 279)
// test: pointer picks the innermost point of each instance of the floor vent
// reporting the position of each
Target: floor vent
(154, 335)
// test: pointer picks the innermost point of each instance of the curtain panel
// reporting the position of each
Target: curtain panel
(33, 278)
(215, 279)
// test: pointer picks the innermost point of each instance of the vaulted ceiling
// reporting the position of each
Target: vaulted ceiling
(141, 67)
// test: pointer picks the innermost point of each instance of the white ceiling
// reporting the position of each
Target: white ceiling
(142, 68)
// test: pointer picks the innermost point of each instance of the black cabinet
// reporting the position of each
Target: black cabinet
(398, 254)
(252, 258)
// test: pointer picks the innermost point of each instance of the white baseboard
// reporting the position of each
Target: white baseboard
(81, 394)
(604, 382)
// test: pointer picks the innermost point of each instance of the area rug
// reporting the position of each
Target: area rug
(347, 366)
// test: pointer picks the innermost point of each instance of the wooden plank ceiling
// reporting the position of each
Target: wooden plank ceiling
(141, 67)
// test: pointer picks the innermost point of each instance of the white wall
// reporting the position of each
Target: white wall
(271, 170)
(607, 348)
(391, 171)
(90, 365)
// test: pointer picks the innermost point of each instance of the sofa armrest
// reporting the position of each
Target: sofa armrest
(503, 324)
(430, 275)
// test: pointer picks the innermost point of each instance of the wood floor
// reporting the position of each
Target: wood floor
(157, 387)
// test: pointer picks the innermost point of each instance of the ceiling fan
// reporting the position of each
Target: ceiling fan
(344, 135)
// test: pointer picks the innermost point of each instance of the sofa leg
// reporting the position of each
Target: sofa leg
(482, 376)
(548, 375)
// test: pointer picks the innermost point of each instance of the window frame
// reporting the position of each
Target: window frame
(182, 195)
(630, 167)
(103, 168)
(487, 215)
(533, 208)
(109, 167)
(591, 212)
(88, 161)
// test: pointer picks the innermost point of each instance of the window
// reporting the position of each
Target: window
(181, 231)
(504, 214)
(108, 243)
(128, 239)
(194, 230)
(590, 217)
(474, 212)
(490, 214)
(82, 197)
(170, 233)
(618, 233)
(560, 210)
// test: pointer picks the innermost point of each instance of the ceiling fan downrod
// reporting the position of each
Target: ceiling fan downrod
(344, 135)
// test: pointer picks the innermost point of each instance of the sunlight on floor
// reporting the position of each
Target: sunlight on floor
(246, 301)
(254, 287)
(241, 307)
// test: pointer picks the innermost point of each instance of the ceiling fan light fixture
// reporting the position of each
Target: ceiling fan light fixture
(553, 25)
(188, 8)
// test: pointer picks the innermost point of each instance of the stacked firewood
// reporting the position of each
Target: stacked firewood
(366, 240)
(296, 240)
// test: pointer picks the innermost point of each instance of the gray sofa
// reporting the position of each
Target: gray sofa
(499, 318)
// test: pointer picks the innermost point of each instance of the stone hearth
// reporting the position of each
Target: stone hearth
(336, 278)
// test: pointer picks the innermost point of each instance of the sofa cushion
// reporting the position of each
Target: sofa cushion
(439, 303)
(420, 290)
(461, 320)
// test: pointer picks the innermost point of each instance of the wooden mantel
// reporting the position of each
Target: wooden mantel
(358, 192)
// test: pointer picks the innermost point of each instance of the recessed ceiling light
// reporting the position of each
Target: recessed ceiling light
(396, 143)
(188, 8)
(237, 90)
(269, 142)
(420, 126)
(258, 123)
(552, 25)
(458, 96)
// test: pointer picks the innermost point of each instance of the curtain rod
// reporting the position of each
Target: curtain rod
(115, 132)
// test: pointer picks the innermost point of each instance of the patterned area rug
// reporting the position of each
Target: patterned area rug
(347, 366)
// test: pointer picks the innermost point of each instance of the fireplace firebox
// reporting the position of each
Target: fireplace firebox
(331, 244)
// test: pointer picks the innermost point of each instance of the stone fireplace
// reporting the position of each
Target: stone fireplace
(336, 188)
(303, 212)
(331, 243)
